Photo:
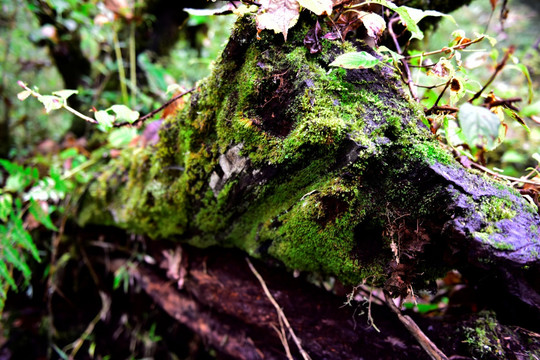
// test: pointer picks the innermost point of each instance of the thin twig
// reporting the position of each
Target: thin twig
(498, 69)
(370, 317)
(445, 108)
(279, 311)
(408, 76)
(441, 94)
(445, 49)
(506, 177)
(154, 112)
(283, 338)
(102, 315)
(429, 347)
(431, 86)
(120, 65)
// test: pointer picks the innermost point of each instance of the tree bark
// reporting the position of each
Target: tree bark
(319, 170)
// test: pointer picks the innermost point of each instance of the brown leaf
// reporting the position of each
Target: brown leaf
(319, 7)
(120, 8)
(278, 15)
(455, 85)
(175, 265)
(443, 68)
(173, 107)
(374, 24)
(311, 41)
(493, 4)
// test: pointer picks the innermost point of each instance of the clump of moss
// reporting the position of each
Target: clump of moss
(483, 340)
(496, 209)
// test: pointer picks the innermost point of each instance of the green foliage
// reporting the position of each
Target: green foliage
(355, 60)
(15, 240)
(411, 17)
(27, 201)
(481, 127)
(474, 66)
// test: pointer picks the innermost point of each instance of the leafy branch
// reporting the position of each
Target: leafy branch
(121, 114)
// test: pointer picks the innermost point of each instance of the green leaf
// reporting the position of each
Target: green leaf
(51, 102)
(411, 17)
(41, 216)
(5, 274)
(356, 60)
(22, 238)
(64, 94)
(531, 110)
(120, 138)
(425, 308)
(453, 133)
(480, 126)
(105, 121)
(512, 156)
(12, 256)
(17, 182)
(24, 94)
(395, 56)
(6, 202)
(527, 75)
(10, 167)
(155, 73)
(124, 113)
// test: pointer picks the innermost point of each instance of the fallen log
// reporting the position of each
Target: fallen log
(321, 170)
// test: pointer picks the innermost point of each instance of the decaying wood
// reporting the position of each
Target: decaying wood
(431, 349)
(224, 303)
(321, 171)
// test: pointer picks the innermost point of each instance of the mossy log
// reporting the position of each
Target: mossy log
(321, 170)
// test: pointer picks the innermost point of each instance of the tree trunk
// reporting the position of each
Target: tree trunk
(323, 171)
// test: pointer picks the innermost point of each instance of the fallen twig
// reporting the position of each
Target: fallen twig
(279, 311)
(514, 180)
(430, 348)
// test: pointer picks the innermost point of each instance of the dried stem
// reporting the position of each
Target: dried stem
(498, 69)
(154, 112)
(445, 49)
(429, 347)
(279, 311)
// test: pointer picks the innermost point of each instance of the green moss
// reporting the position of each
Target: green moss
(483, 340)
(317, 238)
(499, 245)
(496, 209)
(297, 121)
(432, 152)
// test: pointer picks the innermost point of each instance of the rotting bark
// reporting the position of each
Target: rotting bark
(323, 171)
(222, 301)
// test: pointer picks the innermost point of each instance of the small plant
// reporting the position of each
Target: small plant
(58, 100)
(23, 202)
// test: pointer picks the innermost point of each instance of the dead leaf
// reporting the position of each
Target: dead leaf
(172, 262)
(319, 7)
(455, 85)
(175, 106)
(443, 68)
(332, 36)
(374, 24)
(120, 8)
(278, 15)
(311, 41)
(493, 4)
